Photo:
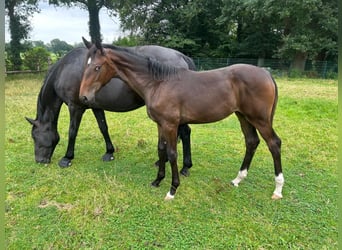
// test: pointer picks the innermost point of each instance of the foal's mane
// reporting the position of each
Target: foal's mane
(156, 69)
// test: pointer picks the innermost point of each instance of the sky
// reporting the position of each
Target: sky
(68, 24)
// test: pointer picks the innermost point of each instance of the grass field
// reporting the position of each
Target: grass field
(98, 205)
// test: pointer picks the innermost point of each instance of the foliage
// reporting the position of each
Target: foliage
(37, 58)
(128, 41)
(19, 12)
(98, 205)
(60, 48)
(294, 30)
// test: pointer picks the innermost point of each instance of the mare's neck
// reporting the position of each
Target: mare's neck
(48, 106)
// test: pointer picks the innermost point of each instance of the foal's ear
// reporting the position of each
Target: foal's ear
(32, 122)
(86, 43)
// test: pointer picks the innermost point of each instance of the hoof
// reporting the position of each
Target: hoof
(156, 164)
(185, 172)
(108, 157)
(154, 184)
(276, 196)
(169, 197)
(64, 163)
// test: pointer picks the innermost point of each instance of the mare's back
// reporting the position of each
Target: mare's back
(166, 55)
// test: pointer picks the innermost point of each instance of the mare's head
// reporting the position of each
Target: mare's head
(45, 140)
(98, 72)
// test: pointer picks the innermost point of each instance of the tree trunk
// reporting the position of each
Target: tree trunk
(261, 61)
(94, 22)
(299, 61)
(15, 48)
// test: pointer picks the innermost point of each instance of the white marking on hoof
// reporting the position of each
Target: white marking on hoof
(241, 175)
(279, 181)
(234, 184)
(277, 196)
(169, 196)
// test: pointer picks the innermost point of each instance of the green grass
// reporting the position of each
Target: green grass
(98, 205)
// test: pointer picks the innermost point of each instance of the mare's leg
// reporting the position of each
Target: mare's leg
(252, 141)
(184, 132)
(101, 121)
(75, 120)
(274, 145)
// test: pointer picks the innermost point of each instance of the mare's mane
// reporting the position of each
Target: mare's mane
(41, 103)
(156, 69)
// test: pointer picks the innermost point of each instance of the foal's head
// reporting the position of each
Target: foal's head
(98, 72)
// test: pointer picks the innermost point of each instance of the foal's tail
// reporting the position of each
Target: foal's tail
(275, 98)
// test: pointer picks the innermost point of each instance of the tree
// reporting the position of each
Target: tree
(93, 7)
(60, 48)
(36, 58)
(308, 28)
(131, 40)
(253, 33)
(19, 12)
(292, 30)
(188, 26)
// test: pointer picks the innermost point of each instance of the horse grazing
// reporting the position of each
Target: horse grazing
(175, 96)
(62, 84)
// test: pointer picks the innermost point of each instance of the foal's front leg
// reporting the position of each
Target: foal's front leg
(162, 159)
(170, 133)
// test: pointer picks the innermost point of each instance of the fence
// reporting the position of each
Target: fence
(278, 67)
(323, 69)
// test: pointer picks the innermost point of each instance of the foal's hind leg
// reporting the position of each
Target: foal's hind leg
(274, 145)
(252, 141)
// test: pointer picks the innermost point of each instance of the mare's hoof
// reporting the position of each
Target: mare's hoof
(185, 172)
(276, 196)
(169, 197)
(156, 164)
(155, 184)
(108, 157)
(64, 163)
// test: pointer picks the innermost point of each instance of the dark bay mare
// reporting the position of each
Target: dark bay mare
(175, 96)
(61, 85)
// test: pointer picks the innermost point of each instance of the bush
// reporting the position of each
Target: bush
(295, 73)
(36, 58)
(331, 75)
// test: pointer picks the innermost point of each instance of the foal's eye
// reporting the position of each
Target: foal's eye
(97, 67)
